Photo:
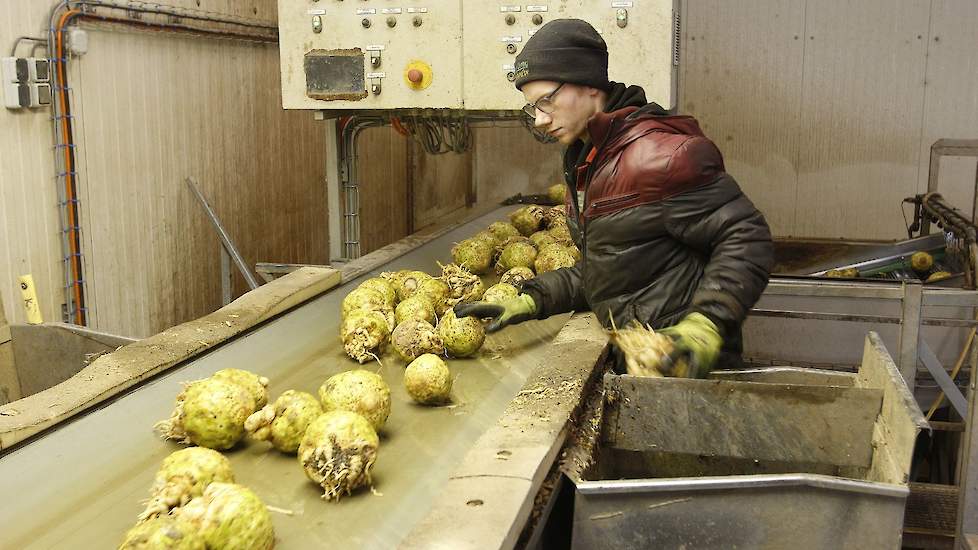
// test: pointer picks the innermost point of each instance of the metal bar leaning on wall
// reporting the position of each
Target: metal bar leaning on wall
(60, 16)
(227, 245)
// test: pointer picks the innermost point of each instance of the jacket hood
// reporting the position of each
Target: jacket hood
(625, 125)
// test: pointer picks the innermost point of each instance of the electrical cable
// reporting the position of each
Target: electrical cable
(72, 222)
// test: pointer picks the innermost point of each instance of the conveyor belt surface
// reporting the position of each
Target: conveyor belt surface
(80, 485)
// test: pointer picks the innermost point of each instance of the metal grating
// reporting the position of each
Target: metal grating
(931, 508)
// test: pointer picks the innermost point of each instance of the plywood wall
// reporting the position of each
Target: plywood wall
(153, 109)
(825, 110)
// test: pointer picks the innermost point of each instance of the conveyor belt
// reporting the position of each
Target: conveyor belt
(80, 485)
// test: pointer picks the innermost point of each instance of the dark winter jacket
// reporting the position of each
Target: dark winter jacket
(663, 229)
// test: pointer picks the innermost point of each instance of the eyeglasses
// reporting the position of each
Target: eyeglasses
(545, 104)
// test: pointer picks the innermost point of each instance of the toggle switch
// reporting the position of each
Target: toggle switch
(621, 18)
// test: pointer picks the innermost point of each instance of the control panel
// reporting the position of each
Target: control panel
(26, 82)
(370, 54)
(640, 35)
(394, 54)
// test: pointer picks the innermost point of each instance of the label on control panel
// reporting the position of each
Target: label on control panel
(374, 47)
(621, 4)
(536, 8)
(417, 10)
(505, 9)
(514, 38)
(366, 11)
(531, 32)
(508, 67)
(316, 12)
(390, 10)
(376, 75)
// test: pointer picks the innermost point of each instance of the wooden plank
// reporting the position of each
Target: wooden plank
(742, 73)
(115, 372)
(900, 419)
(777, 422)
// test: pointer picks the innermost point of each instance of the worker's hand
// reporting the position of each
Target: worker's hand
(698, 341)
(507, 312)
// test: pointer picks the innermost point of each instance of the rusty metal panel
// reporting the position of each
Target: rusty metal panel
(777, 422)
(861, 104)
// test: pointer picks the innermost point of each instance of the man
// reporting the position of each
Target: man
(666, 235)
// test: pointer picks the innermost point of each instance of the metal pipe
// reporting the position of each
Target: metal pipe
(852, 317)
(19, 39)
(180, 28)
(225, 238)
(190, 14)
(351, 186)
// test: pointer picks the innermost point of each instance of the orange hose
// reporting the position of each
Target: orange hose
(399, 127)
(70, 196)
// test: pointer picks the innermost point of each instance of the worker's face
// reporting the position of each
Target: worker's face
(564, 114)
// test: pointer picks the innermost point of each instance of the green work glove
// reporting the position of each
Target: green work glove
(698, 340)
(507, 312)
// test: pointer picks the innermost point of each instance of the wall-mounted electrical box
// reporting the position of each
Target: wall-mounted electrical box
(370, 54)
(25, 82)
(377, 54)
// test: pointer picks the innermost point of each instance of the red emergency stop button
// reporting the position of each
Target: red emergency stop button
(417, 75)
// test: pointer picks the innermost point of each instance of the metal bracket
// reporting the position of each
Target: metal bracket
(229, 252)
(943, 380)
(910, 331)
(952, 148)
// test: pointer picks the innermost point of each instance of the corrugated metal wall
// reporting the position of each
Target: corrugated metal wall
(29, 228)
(825, 110)
(152, 110)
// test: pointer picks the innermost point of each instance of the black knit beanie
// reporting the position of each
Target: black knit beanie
(564, 50)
